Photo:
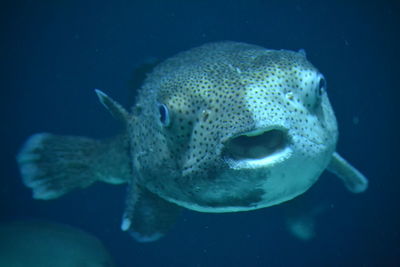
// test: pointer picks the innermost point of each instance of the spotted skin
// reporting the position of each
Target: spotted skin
(214, 93)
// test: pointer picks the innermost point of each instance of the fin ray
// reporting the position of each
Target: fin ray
(54, 165)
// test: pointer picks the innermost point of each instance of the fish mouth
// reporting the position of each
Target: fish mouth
(257, 148)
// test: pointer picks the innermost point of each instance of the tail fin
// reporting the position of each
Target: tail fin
(54, 165)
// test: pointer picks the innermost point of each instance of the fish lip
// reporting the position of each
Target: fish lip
(257, 148)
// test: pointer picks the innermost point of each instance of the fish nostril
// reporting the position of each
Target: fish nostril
(257, 146)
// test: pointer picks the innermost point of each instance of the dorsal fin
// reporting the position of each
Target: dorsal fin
(118, 111)
(303, 52)
(139, 75)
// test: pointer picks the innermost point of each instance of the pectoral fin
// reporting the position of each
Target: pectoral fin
(147, 217)
(118, 111)
(354, 180)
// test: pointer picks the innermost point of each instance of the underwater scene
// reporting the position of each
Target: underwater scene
(199, 133)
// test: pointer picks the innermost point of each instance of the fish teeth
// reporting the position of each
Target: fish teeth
(255, 132)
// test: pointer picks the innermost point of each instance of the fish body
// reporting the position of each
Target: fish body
(223, 127)
(248, 128)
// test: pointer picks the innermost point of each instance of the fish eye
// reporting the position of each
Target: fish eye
(321, 86)
(164, 115)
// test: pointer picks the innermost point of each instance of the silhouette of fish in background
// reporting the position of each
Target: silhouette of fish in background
(47, 244)
(223, 127)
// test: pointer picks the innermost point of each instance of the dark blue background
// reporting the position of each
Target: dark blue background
(54, 53)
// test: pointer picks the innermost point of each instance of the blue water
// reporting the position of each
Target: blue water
(54, 53)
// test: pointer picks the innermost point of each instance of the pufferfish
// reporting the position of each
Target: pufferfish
(224, 127)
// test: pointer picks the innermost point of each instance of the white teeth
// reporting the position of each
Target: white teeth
(262, 162)
(254, 133)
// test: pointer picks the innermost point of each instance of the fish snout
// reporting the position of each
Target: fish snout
(257, 148)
